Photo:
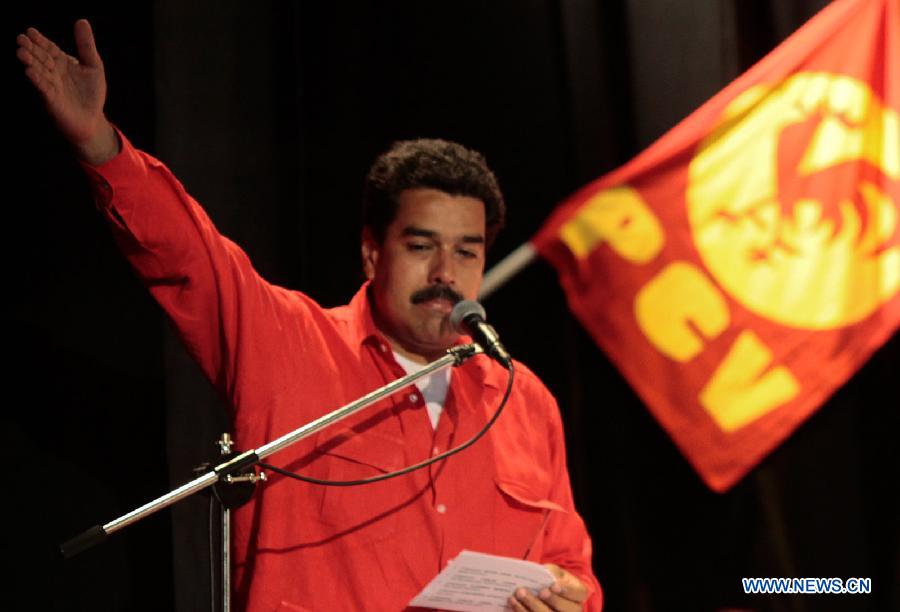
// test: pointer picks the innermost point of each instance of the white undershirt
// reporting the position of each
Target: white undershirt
(433, 387)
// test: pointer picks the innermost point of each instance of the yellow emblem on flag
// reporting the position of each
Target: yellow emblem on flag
(810, 264)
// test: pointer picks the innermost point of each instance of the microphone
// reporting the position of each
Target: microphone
(468, 317)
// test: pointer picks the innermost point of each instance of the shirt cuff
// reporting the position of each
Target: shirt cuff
(103, 178)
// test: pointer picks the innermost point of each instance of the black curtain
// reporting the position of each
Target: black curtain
(270, 114)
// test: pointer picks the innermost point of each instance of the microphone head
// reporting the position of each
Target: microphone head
(462, 311)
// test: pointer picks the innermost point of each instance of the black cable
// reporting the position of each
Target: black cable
(411, 468)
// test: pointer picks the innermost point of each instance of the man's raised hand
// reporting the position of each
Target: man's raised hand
(74, 90)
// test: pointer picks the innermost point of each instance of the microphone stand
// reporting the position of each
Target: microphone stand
(233, 493)
(229, 471)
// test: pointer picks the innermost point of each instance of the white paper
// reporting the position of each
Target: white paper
(476, 582)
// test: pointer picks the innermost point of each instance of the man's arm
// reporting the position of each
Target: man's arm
(567, 551)
(223, 310)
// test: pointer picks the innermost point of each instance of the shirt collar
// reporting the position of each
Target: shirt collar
(361, 323)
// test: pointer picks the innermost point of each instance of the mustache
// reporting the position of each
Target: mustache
(435, 292)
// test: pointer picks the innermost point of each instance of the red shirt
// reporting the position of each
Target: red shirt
(281, 360)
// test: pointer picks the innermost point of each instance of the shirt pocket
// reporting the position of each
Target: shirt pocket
(521, 515)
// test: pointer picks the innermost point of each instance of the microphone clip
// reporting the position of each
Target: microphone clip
(464, 352)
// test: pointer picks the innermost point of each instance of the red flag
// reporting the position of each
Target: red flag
(745, 265)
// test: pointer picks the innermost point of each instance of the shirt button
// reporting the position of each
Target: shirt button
(435, 451)
(413, 398)
(441, 508)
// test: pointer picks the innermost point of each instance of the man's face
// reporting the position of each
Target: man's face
(432, 256)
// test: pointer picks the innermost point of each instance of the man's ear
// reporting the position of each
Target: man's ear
(371, 251)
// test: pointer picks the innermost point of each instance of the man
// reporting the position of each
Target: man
(280, 360)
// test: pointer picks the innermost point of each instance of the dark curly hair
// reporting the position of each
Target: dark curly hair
(435, 164)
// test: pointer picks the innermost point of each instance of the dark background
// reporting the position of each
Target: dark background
(270, 113)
